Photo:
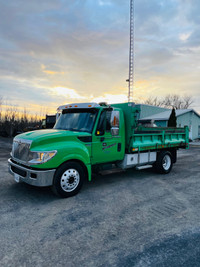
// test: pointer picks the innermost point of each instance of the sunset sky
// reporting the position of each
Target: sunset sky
(54, 52)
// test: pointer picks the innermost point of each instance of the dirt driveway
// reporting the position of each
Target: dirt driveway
(132, 218)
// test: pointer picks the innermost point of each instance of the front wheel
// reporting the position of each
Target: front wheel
(164, 162)
(68, 179)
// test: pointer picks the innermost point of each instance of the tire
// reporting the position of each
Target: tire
(68, 179)
(164, 162)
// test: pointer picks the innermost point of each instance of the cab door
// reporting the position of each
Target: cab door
(107, 143)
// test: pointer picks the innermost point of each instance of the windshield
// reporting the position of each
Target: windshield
(77, 120)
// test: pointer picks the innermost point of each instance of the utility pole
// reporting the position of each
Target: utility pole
(131, 54)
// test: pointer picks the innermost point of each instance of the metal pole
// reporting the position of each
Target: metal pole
(131, 54)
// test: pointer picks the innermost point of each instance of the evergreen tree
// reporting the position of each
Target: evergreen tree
(172, 119)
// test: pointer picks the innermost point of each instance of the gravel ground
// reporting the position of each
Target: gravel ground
(128, 218)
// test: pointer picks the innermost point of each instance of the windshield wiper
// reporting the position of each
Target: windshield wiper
(72, 129)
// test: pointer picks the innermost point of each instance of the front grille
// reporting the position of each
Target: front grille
(20, 150)
(18, 171)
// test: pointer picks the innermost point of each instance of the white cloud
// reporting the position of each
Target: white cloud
(104, 3)
(66, 93)
(184, 36)
(110, 99)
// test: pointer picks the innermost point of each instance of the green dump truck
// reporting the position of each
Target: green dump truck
(85, 138)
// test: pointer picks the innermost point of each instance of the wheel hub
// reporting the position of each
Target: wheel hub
(70, 180)
(166, 162)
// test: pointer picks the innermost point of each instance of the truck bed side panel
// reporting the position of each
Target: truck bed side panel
(157, 138)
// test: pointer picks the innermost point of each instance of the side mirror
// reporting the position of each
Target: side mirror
(115, 131)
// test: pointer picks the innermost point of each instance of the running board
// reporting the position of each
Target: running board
(143, 167)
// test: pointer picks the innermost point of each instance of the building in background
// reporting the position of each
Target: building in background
(160, 117)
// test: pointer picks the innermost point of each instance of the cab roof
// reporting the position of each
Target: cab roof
(78, 105)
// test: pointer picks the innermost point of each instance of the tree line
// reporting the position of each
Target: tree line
(13, 121)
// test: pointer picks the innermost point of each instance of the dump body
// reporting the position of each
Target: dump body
(140, 138)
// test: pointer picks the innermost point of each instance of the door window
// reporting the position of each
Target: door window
(104, 124)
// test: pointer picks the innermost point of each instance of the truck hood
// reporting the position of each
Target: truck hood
(42, 137)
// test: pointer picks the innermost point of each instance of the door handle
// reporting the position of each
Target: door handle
(102, 139)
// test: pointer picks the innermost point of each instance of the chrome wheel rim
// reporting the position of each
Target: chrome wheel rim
(166, 163)
(70, 180)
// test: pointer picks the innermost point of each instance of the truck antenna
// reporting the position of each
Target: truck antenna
(131, 54)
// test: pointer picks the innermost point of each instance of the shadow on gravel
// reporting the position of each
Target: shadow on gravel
(117, 175)
(32, 193)
(114, 177)
(119, 183)
(175, 251)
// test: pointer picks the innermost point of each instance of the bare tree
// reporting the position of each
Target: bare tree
(170, 101)
(177, 101)
(10, 117)
(173, 101)
(1, 104)
(188, 101)
(43, 112)
(154, 101)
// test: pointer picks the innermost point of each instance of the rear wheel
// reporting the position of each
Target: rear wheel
(68, 179)
(164, 162)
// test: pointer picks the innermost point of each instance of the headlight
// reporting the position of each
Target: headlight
(41, 157)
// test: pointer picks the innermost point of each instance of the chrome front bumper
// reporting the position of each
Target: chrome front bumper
(32, 177)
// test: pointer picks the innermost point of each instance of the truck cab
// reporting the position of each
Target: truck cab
(85, 135)
(103, 126)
